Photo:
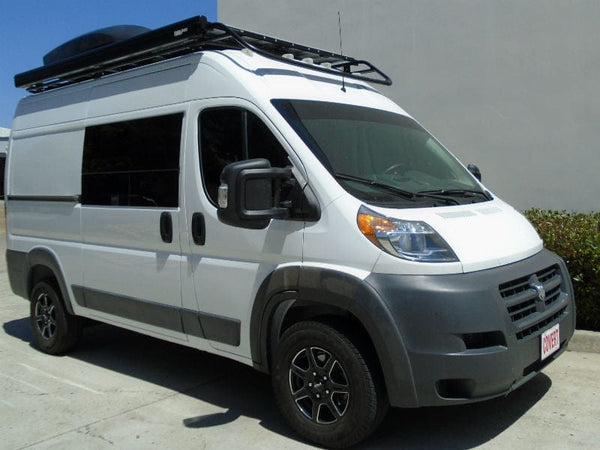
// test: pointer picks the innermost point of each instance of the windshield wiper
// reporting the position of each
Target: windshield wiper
(395, 190)
(401, 192)
(435, 195)
(458, 193)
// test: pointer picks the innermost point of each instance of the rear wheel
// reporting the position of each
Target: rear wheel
(324, 386)
(54, 330)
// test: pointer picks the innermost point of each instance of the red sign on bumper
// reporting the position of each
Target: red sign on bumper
(550, 341)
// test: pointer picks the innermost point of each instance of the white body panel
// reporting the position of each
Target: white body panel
(49, 161)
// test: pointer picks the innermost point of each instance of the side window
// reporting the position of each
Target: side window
(232, 134)
(263, 144)
(221, 143)
(132, 163)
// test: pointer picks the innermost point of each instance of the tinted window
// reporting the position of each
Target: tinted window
(132, 163)
(375, 154)
(231, 134)
(263, 144)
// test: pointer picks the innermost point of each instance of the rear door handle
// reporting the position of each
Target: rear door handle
(166, 227)
(198, 229)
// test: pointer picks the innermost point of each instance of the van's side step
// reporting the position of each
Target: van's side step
(188, 36)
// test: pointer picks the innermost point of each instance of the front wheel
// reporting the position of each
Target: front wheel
(324, 386)
(55, 331)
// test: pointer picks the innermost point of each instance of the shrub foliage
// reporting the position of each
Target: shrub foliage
(576, 238)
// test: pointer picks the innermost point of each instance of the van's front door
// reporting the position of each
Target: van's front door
(228, 264)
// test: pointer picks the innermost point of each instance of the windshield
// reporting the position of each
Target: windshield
(381, 157)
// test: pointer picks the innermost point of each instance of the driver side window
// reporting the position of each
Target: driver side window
(233, 134)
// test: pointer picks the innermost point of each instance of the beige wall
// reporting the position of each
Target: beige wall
(509, 85)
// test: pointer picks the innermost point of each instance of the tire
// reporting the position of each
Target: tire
(55, 331)
(324, 386)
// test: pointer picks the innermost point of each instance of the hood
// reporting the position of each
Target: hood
(482, 235)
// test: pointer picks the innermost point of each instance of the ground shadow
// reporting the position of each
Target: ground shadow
(457, 427)
(241, 391)
(19, 328)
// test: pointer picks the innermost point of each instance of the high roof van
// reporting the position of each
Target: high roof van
(260, 200)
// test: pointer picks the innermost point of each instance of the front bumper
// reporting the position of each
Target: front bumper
(474, 336)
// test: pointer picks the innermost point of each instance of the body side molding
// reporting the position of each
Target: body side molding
(195, 323)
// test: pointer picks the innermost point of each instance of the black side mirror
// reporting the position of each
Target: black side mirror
(474, 171)
(250, 194)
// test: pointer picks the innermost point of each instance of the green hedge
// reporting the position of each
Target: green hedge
(576, 238)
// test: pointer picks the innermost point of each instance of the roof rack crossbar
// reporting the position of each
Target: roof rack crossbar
(189, 36)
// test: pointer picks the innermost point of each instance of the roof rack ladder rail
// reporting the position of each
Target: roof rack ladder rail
(347, 61)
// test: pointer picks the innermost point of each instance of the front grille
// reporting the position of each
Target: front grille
(522, 297)
(511, 288)
(538, 326)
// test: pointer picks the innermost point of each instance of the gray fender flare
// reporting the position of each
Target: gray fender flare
(326, 287)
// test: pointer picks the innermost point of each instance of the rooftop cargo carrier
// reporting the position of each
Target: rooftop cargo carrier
(88, 61)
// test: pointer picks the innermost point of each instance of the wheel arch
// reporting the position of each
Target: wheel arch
(308, 293)
(41, 264)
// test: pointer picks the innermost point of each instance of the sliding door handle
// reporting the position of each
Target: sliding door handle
(166, 227)
(198, 228)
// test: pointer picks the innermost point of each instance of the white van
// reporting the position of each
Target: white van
(258, 199)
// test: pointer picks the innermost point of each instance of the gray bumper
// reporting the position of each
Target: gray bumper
(474, 336)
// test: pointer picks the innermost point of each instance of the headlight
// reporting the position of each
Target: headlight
(406, 239)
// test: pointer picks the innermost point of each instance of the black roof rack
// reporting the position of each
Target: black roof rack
(184, 37)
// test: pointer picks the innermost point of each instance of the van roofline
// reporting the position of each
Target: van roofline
(189, 36)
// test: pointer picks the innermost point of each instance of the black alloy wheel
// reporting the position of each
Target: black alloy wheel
(319, 385)
(55, 331)
(45, 315)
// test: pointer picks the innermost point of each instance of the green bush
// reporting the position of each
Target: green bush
(576, 238)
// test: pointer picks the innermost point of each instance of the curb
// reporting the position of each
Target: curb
(585, 341)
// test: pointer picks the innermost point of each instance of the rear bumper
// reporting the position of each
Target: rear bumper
(474, 336)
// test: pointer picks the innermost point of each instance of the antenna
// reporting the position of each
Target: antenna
(341, 49)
